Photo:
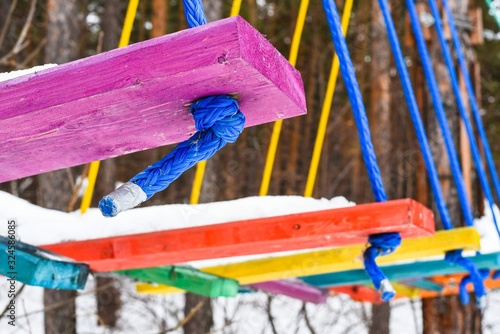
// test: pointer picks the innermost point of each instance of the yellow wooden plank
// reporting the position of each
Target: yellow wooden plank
(405, 290)
(337, 259)
(148, 288)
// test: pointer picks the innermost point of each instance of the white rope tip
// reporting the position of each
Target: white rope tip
(127, 196)
(386, 290)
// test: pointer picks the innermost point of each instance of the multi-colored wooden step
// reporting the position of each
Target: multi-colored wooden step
(135, 98)
(327, 228)
(336, 259)
(403, 272)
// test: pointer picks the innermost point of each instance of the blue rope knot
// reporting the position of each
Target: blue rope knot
(380, 245)
(218, 120)
(455, 257)
(464, 294)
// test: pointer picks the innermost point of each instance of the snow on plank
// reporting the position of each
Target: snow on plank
(136, 98)
(336, 227)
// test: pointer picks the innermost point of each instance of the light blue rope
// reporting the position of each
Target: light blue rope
(381, 244)
(440, 113)
(474, 107)
(415, 116)
(481, 173)
(218, 121)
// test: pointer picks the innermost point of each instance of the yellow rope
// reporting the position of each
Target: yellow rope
(202, 165)
(94, 166)
(325, 111)
(273, 145)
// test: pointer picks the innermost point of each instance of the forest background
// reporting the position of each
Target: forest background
(56, 31)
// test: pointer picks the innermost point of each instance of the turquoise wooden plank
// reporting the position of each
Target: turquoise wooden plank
(188, 279)
(402, 271)
(424, 284)
(34, 266)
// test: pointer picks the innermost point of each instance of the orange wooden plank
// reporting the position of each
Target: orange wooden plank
(451, 285)
(359, 293)
(335, 227)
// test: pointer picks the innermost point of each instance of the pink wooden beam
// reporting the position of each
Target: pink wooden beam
(294, 289)
(136, 98)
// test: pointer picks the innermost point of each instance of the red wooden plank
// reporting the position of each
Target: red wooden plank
(135, 98)
(336, 227)
(359, 293)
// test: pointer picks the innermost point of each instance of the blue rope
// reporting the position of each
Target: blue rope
(455, 257)
(380, 244)
(358, 109)
(218, 121)
(384, 243)
(496, 275)
(464, 294)
(462, 110)
(440, 112)
(474, 108)
(472, 98)
(195, 15)
(415, 117)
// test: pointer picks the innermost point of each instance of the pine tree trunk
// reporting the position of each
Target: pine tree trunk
(380, 123)
(55, 189)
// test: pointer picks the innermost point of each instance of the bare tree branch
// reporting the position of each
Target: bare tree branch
(269, 315)
(7, 21)
(21, 42)
(186, 319)
(306, 319)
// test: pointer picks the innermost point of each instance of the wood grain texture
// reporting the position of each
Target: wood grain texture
(335, 227)
(136, 98)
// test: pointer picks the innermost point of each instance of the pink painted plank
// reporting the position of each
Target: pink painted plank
(135, 98)
(294, 289)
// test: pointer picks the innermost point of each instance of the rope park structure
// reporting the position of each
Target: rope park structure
(254, 75)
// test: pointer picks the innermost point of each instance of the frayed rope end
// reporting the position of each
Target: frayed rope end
(127, 196)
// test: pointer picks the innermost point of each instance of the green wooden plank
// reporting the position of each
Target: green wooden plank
(188, 279)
